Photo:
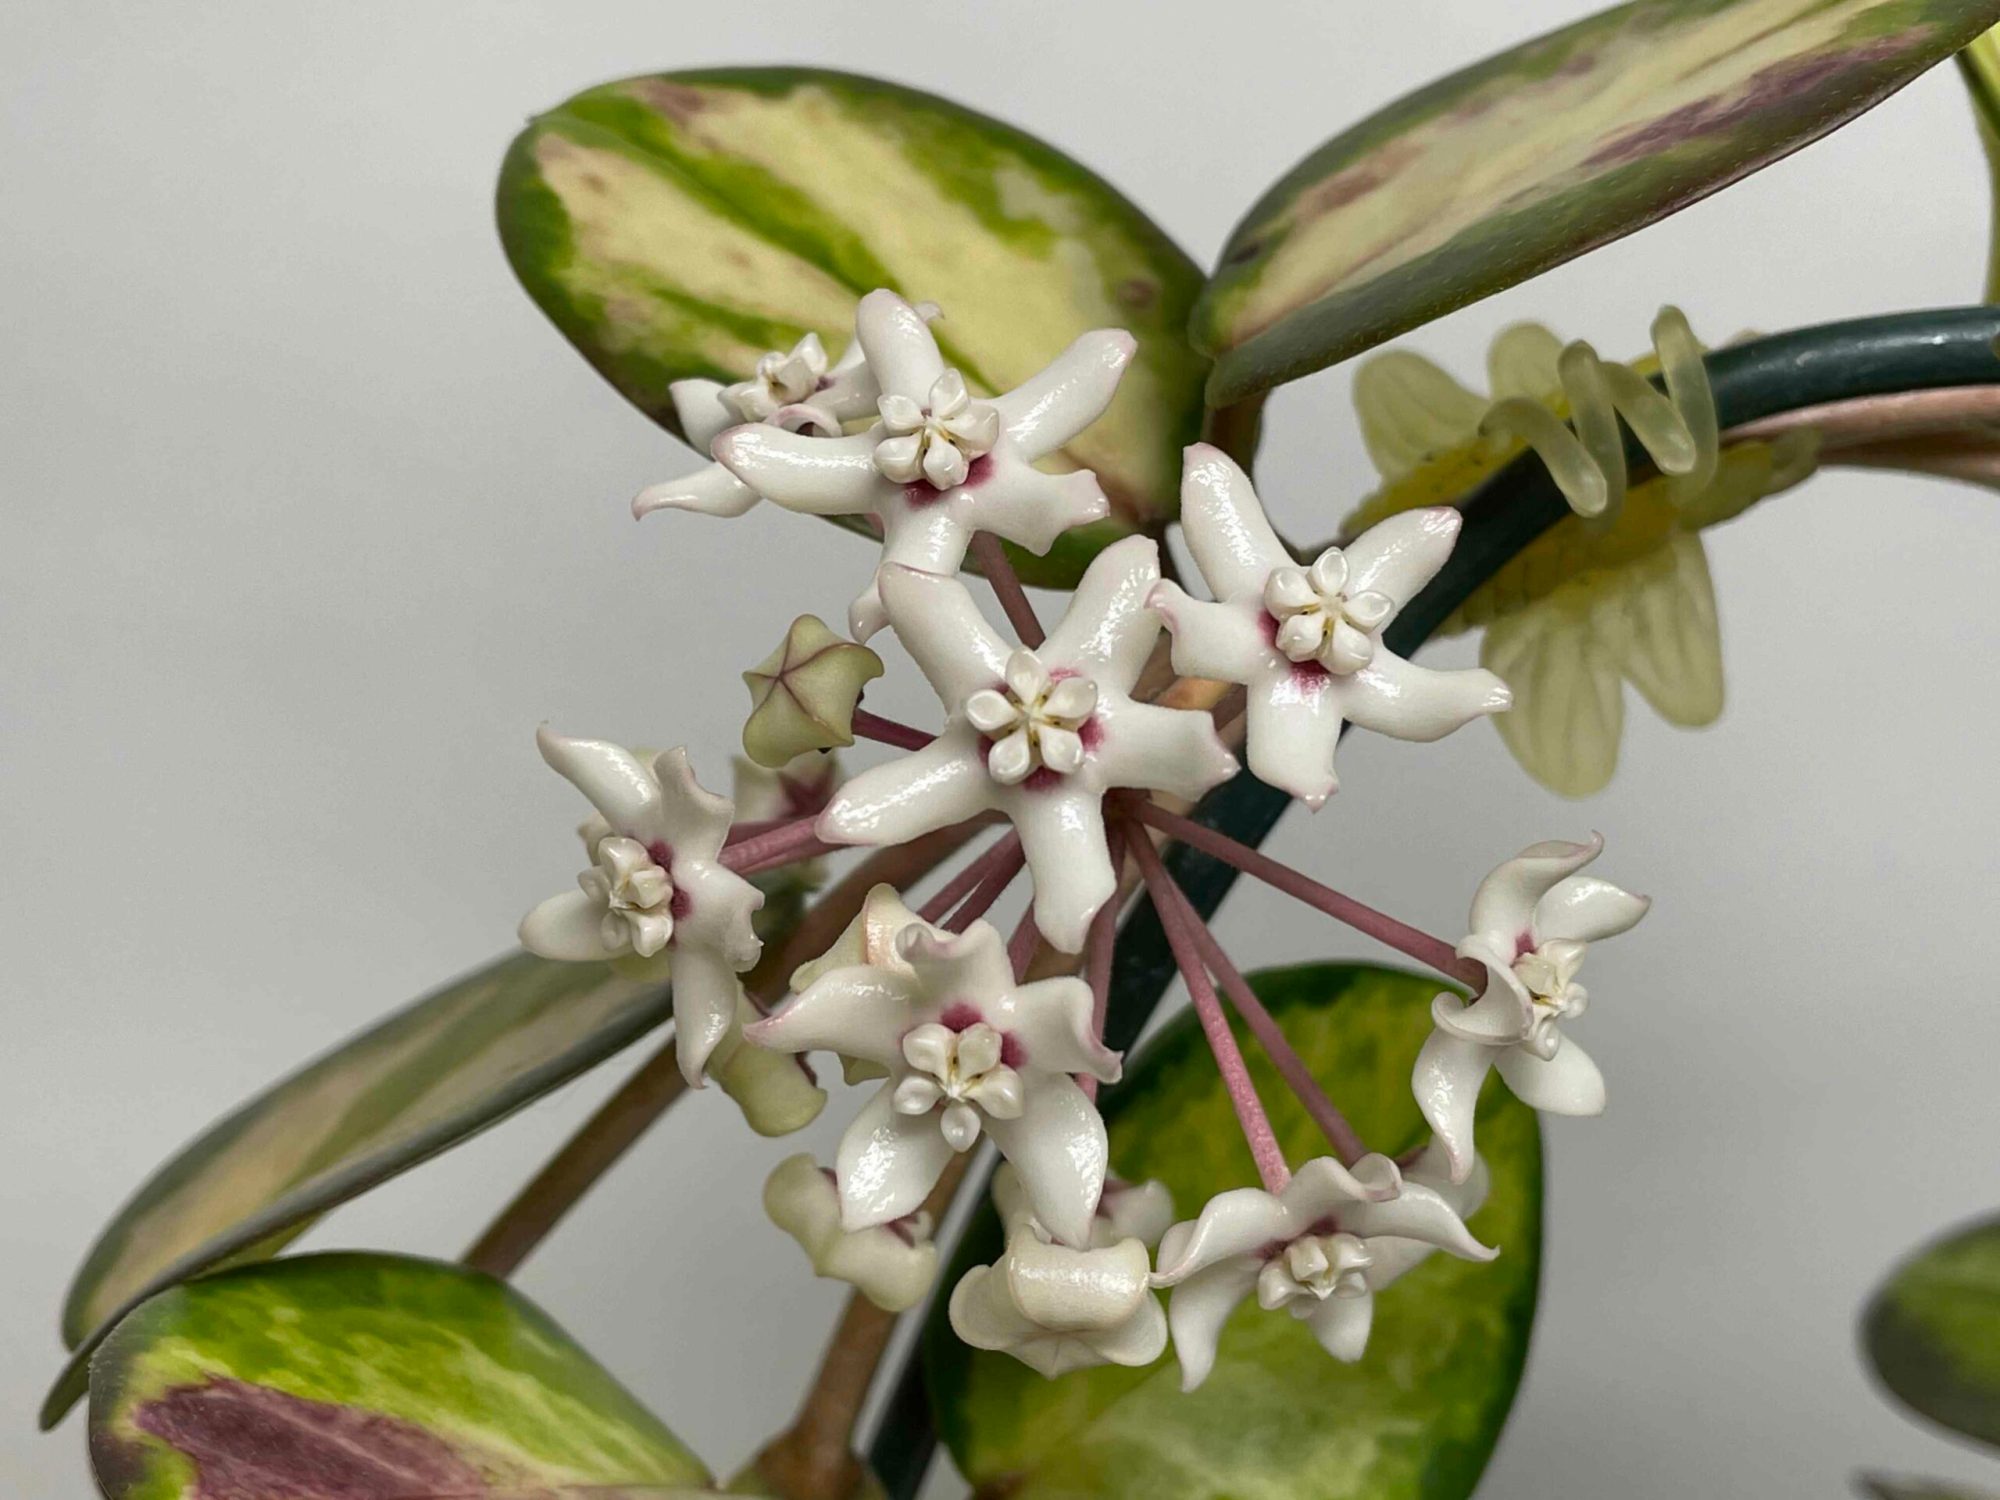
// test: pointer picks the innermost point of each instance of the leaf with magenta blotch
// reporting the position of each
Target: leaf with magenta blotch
(415, 1084)
(1531, 157)
(365, 1377)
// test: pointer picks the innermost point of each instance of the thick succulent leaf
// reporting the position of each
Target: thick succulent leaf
(1933, 1331)
(1419, 1414)
(434, 1073)
(358, 1377)
(1530, 158)
(681, 224)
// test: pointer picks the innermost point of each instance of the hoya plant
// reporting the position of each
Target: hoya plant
(1288, 1246)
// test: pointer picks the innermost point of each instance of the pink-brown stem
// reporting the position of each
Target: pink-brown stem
(889, 731)
(1341, 1135)
(1097, 948)
(976, 869)
(992, 560)
(1021, 946)
(989, 888)
(791, 840)
(738, 832)
(1178, 920)
(1385, 929)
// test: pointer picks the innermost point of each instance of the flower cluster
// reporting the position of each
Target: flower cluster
(1080, 750)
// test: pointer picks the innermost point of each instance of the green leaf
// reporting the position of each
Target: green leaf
(1933, 1331)
(1530, 158)
(681, 224)
(1419, 1414)
(362, 1376)
(410, 1087)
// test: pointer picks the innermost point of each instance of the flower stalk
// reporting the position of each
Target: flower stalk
(992, 560)
(1405, 939)
(595, 1148)
(871, 726)
(1346, 1142)
(968, 878)
(1179, 919)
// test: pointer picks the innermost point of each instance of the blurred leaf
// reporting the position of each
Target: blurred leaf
(431, 1075)
(363, 1376)
(1979, 65)
(1933, 1331)
(1530, 158)
(1591, 604)
(681, 224)
(1419, 1414)
(1898, 1487)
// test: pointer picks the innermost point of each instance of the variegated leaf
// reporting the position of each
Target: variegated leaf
(362, 1377)
(681, 224)
(434, 1073)
(1530, 158)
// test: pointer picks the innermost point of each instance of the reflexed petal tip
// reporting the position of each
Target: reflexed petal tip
(618, 783)
(710, 491)
(1231, 1223)
(567, 928)
(1504, 904)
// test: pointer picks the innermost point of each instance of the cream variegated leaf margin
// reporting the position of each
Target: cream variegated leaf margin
(1591, 605)
(680, 225)
(417, 1083)
(1536, 155)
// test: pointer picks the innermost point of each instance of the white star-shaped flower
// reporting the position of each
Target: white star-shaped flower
(1532, 919)
(891, 1264)
(938, 465)
(1039, 736)
(795, 391)
(654, 886)
(1311, 1249)
(1307, 641)
(1056, 1308)
(968, 1052)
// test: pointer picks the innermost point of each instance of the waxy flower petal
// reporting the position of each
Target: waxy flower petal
(1052, 793)
(655, 885)
(1058, 1309)
(940, 465)
(1309, 1250)
(1394, 1255)
(793, 390)
(1306, 642)
(967, 1052)
(893, 1265)
(1532, 919)
(1140, 1211)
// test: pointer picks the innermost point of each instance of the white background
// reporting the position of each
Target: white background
(307, 518)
